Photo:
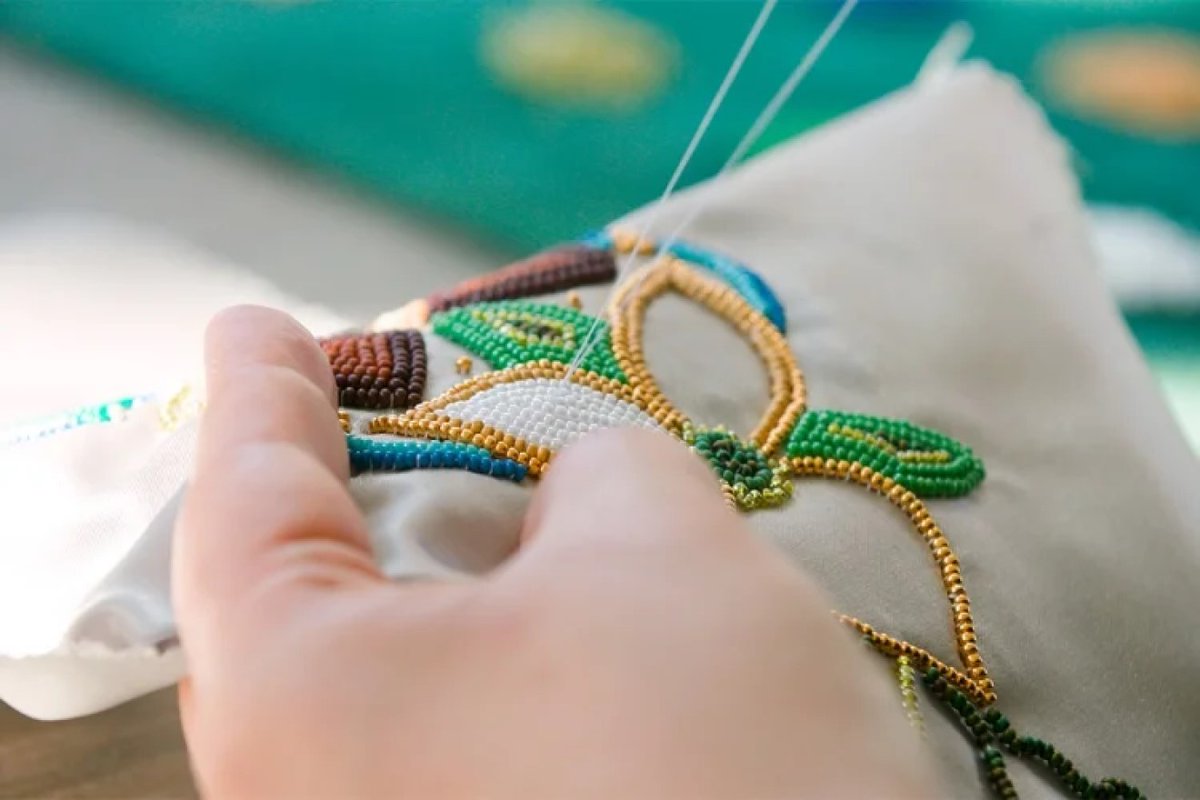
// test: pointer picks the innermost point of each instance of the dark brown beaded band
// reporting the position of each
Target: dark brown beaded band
(378, 370)
(551, 271)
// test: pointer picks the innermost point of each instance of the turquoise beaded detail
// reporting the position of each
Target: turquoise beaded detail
(743, 280)
(924, 461)
(379, 455)
(99, 414)
(508, 333)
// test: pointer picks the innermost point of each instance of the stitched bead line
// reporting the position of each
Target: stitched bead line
(991, 730)
(976, 675)
(927, 462)
(378, 370)
(906, 677)
(99, 414)
(552, 271)
(429, 420)
(375, 455)
(512, 332)
(179, 408)
(628, 310)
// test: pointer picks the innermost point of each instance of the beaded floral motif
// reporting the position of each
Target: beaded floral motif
(930, 464)
(378, 370)
(512, 332)
(524, 413)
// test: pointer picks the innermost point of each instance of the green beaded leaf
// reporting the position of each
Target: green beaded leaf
(924, 461)
(511, 332)
(751, 478)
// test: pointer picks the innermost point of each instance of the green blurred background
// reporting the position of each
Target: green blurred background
(398, 98)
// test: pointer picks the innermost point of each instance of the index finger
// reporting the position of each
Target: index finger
(268, 511)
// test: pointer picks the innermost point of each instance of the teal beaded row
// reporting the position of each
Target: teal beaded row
(924, 461)
(511, 332)
(991, 731)
(378, 455)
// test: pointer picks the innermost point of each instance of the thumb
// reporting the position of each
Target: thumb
(626, 491)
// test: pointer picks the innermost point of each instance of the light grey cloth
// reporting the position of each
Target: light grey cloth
(931, 253)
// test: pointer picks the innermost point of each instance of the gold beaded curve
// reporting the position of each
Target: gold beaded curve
(975, 681)
(627, 311)
(426, 422)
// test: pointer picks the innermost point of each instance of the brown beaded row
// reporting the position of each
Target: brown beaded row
(628, 310)
(551, 271)
(378, 370)
(947, 562)
(426, 422)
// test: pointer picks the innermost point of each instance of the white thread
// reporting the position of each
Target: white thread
(768, 114)
(730, 75)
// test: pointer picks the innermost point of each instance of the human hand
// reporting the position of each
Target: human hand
(641, 644)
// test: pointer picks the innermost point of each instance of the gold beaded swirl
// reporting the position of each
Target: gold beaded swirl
(628, 310)
(975, 681)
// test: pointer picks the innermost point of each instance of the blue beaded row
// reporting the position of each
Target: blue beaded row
(378, 455)
(745, 281)
(101, 413)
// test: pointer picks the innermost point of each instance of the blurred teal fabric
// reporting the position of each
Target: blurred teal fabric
(393, 95)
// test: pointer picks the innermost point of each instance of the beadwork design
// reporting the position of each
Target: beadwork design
(749, 479)
(552, 271)
(991, 730)
(378, 370)
(925, 461)
(975, 679)
(512, 332)
(606, 402)
(374, 455)
(511, 422)
(629, 306)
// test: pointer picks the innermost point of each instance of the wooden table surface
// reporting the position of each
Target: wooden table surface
(133, 751)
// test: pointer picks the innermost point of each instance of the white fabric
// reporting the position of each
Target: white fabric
(84, 547)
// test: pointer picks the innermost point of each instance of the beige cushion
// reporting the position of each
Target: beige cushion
(932, 257)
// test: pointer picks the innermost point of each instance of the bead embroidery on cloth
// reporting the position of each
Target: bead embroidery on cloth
(554, 270)
(378, 370)
(925, 461)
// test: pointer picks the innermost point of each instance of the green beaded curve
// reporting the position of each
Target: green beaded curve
(751, 478)
(511, 332)
(991, 731)
(922, 460)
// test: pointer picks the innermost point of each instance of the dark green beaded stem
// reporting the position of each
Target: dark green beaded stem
(991, 730)
(924, 461)
(511, 332)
